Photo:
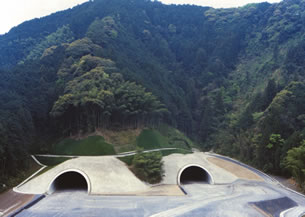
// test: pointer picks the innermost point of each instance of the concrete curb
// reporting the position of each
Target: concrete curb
(35, 200)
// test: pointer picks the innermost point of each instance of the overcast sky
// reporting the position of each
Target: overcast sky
(14, 12)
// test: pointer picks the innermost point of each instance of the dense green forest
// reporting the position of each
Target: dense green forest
(231, 79)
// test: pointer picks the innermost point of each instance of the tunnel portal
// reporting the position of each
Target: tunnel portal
(194, 174)
(69, 181)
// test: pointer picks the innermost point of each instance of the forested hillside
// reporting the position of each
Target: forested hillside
(231, 79)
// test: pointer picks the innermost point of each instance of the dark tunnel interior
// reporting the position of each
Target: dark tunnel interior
(70, 181)
(194, 174)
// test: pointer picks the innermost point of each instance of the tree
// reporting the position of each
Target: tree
(148, 166)
(207, 122)
(273, 153)
(94, 99)
(103, 30)
(269, 93)
(295, 163)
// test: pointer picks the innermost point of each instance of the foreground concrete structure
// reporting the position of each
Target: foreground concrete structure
(175, 164)
(104, 175)
(213, 186)
(108, 175)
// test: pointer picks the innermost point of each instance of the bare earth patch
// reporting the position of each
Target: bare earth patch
(122, 141)
(11, 201)
(235, 169)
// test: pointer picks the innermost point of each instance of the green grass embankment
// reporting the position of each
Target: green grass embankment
(51, 161)
(176, 151)
(163, 137)
(91, 146)
(151, 139)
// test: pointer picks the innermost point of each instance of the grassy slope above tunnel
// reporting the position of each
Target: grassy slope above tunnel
(112, 142)
(164, 137)
(90, 146)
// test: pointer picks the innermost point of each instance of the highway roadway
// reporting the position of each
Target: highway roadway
(238, 199)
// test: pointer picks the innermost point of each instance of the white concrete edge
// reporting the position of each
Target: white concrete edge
(195, 165)
(49, 189)
(67, 156)
(282, 214)
(117, 155)
(151, 150)
(37, 161)
(301, 213)
(15, 189)
(160, 149)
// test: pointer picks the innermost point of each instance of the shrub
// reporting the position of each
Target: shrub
(148, 167)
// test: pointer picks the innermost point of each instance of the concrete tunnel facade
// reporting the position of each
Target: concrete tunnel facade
(74, 179)
(71, 179)
(96, 175)
(194, 173)
(110, 176)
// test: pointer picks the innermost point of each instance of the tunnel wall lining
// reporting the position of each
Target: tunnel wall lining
(51, 189)
(210, 177)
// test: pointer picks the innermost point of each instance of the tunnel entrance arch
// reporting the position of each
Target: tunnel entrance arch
(194, 173)
(71, 179)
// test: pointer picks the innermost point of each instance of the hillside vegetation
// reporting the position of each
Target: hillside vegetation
(230, 79)
(115, 142)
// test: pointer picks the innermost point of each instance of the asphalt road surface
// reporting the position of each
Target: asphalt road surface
(227, 200)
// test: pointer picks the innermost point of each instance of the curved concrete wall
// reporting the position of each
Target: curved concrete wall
(209, 175)
(174, 165)
(51, 187)
(104, 175)
(108, 175)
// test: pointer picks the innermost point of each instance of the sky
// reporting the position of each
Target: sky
(14, 12)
